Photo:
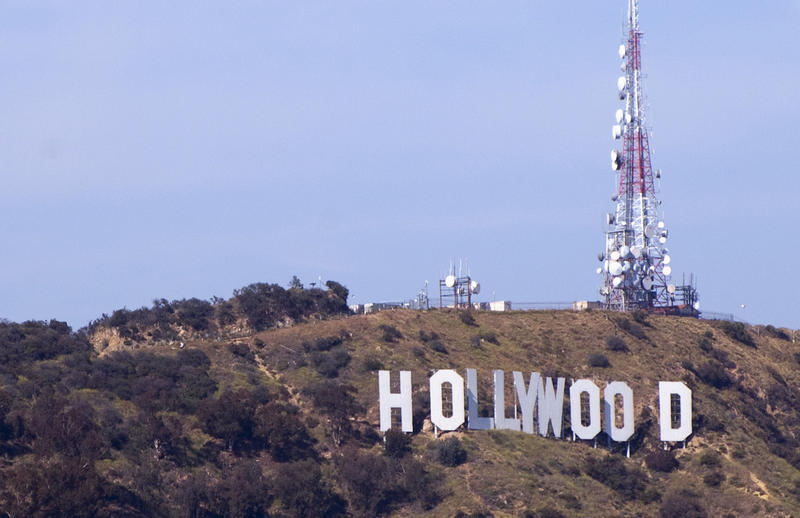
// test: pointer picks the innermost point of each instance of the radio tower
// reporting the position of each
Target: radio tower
(636, 265)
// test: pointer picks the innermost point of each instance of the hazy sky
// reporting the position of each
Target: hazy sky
(179, 149)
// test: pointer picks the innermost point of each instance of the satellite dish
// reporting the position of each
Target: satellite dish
(616, 131)
(671, 288)
(667, 270)
(647, 283)
(626, 266)
(450, 281)
(616, 282)
(661, 224)
(624, 251)
(666, 259)
(615, 160)
(621, 82)
(650, 231)
(628, 117)
(662, 239)
(615, 267)
(697, 306)
(636, 252)
(615, 255)
(620, 114)
(475, 287)
(622, 52)
(599, 271)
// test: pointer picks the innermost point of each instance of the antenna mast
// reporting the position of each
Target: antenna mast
(636, 265)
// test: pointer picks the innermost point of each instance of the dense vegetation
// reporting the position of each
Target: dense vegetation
(265, 404)
(258, 307)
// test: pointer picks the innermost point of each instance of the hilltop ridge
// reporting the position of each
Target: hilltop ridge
(228, 421)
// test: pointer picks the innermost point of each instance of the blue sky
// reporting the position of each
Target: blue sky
(178, 149)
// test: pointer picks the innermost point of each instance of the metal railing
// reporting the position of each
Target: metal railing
(539, 306)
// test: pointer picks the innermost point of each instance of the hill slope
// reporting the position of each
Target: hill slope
(285, 420)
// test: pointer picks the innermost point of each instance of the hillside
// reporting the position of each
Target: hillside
(229, 421)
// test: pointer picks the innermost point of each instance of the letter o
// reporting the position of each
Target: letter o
(457, 383)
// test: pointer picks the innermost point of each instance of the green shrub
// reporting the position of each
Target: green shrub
(663, 461)
(722, 357)
(633, 328)
(714, 479)
(650, 495)
(612, 471)
(375, 484)
(438, 346)
(279, 426)
(336, 400)
(714, 374)
(390, 333)
(325, 343)
(615, 343)
(303, 490)
(241, 350)
(774, 332)
(424, 337)
(194, 313)
(710, 459)
(598, 360)
(396, 443)
(338, 290)
(640, 316)
(449, 452)
(467, 318)
(371, 364)
(328, 363)
(684, 503)
(738, 331)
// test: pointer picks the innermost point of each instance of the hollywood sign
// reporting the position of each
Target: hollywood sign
(541, 394)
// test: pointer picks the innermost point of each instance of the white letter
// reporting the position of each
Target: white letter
(665, 391)
(401, 400)
(457, 384)
(612, 390)
(588, 431)
(551, 406)
(527, 398)
(474, 422)
(501, 422)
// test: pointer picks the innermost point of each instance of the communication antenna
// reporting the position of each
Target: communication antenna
(456, 290)
(636, 268)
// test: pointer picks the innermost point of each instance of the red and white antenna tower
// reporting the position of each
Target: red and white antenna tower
(636, 264)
